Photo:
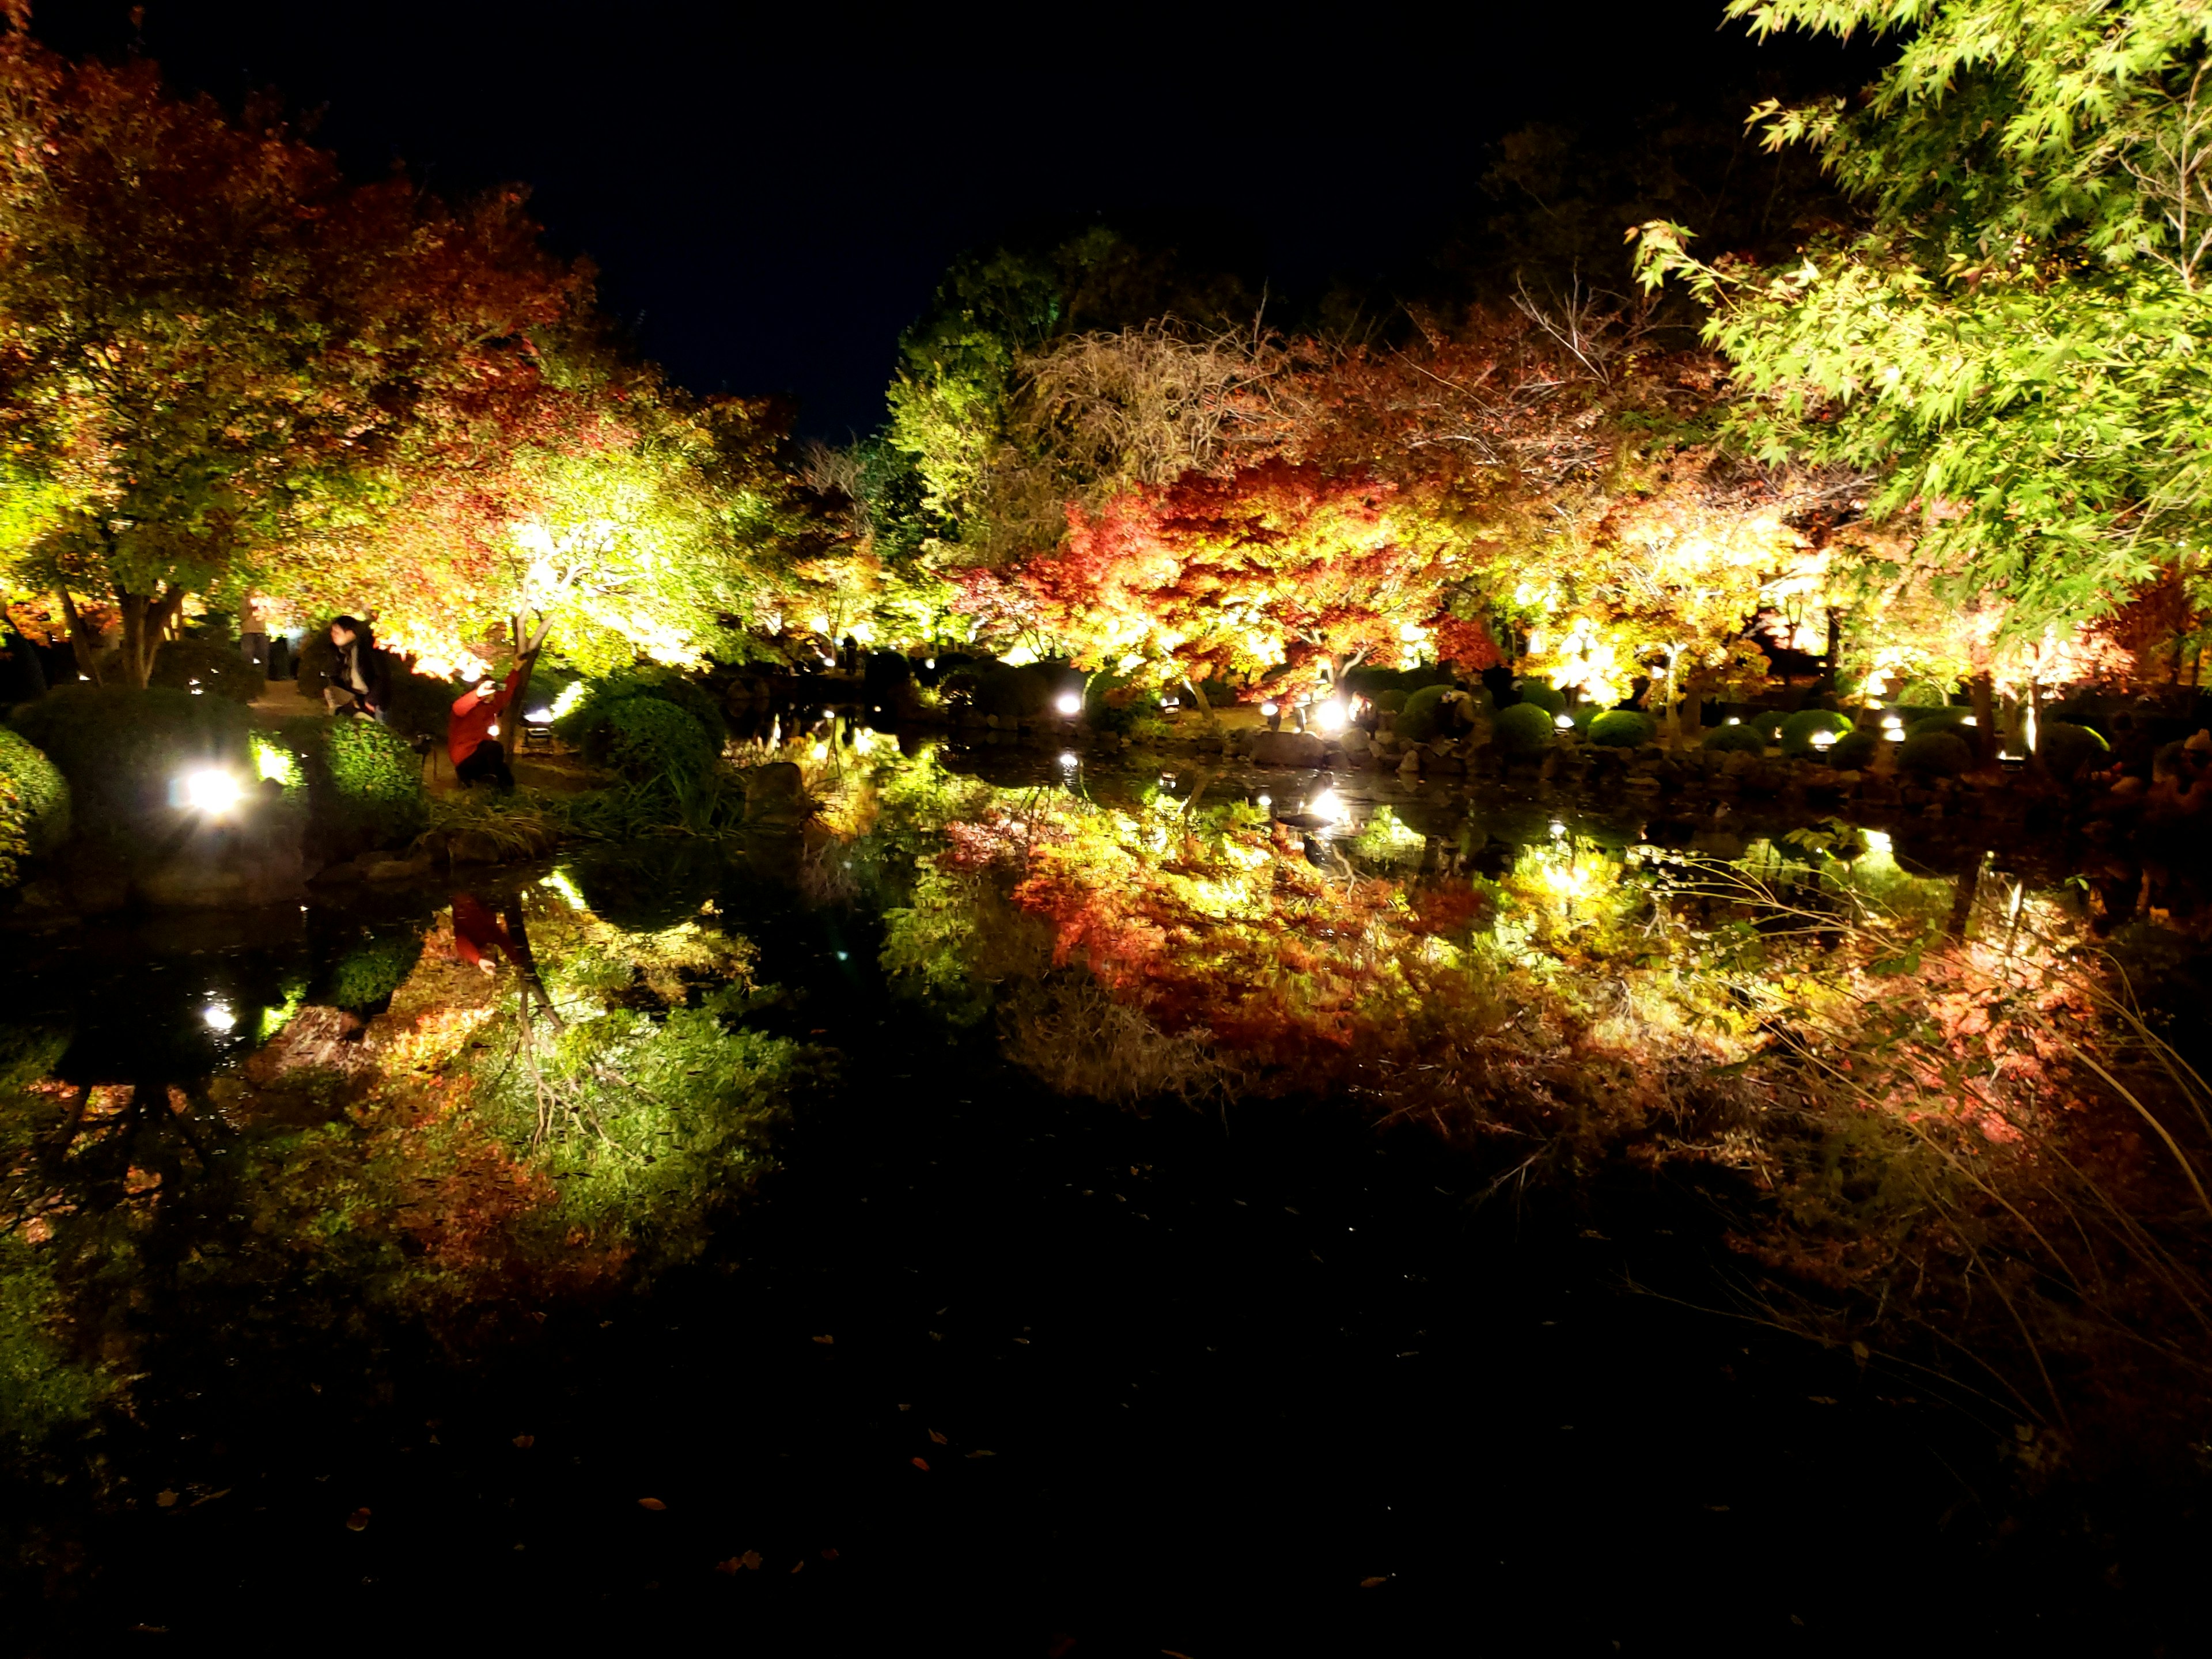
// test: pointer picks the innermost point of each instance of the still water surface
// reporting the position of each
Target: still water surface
(773, 1304)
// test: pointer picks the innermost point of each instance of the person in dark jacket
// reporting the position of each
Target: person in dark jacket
(473, 734)
(361, 680)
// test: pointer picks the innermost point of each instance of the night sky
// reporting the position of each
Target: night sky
(771, 194)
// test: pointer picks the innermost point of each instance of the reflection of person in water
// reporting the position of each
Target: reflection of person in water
(477, 933)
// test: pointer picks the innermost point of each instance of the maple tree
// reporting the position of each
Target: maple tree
(212, 345)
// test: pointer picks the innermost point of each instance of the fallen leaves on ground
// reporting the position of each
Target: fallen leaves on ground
(827, 1341)
(1373, 1584)
(919, 1463)
(165, 1498)
(939, 1438)
(358, 1521)
(524, 1442)
(651, 1503)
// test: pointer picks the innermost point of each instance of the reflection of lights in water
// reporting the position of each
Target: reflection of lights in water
(1327, 808)
(1069, 759)
(1070, 703)
(210, 791)
(1565, 722)
(1329, 716)
(1269, 710)
(217, 1018)
(561, 883)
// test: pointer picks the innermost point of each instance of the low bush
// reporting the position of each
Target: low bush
(1111, 703)
(1800, 728)
(209, 666)
(1938, 754)
(364, 784)
(1422, 717)
(2065, 749)
(1855, 751)
(645, 739)
(41, 792)
(1524, 730)
(1737, 739)
(1922, 717)
(121, 749)
(1620, 728)
(1548, 698)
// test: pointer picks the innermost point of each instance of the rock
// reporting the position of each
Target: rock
(1356, 743)
(1409, 766)
(386, 868)
(1288, 748)
(472, 847)
(777, 791)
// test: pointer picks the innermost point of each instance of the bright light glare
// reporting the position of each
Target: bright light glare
(1557, 830)
(1893, 722)
(539, 717)
(1969, 720)
(1330, 716)
(1895, 734)
(210, 791)
(217, 1018)
(1824, 739)
(492, 730)
(1735, 720)
(571, 694)
(1327, 808)
(1565, 722)
(1070, 759)
(1070, 703)
(1266, 800)
(1269, 710)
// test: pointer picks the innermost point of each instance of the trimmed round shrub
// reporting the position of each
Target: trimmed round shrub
(1524, 730)
(42, 796)
(1919, 717)
(120, 749)
(644, 739)
(1550, 699)
(1923, 694)
(1802, 727)
(1736, 740)
(2067, 749)
(375, 782)
(1620, 728)
(1938, 754)
(215, 669)
(1390, 702)
(1855, 751)
(1423, 714)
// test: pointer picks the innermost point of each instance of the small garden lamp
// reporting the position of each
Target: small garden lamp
(209, 790)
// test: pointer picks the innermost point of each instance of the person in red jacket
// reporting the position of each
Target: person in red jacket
(473, 734)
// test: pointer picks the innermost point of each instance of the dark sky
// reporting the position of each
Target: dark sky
(770, 194)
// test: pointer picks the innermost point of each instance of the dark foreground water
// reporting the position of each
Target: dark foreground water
(965, 1367)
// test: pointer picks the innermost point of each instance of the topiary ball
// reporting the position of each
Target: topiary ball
(1802, 727)
(1737, 739)
(1855, 751)
(1620, 728)
(1423, 715)
(1937, 719)
(1937, 754)
(41, 793)
(1550, 699)
(1524, 730)
(2065, 749)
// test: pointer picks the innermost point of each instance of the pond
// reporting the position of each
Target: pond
(784, 1239)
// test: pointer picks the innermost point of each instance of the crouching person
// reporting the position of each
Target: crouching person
(473, 734)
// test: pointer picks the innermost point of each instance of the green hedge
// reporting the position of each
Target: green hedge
(1737, 739)
(2066, 749)
(216, 669)
(1855, 751)
(1620, 728)
(1524, 730)
(1423, 714)
(364, 784)
(616, 724)
(1802, 727)
(42, 796)
(1937, 753)
(1550, 699)
(120, 748)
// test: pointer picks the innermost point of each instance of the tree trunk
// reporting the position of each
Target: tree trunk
(147, 621)
(82, 644)
(527, 646)
(1985, 718)
(1835, 644)
(1198, 696)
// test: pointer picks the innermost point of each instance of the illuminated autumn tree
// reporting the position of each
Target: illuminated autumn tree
(210, 341)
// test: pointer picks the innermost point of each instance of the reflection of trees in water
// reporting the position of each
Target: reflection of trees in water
(402, 1164)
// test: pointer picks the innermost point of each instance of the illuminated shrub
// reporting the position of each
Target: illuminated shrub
(1935, 754)
(1855, 751)
(646, 740)
(217, 670)
(1422, 716)
(1938, 718)
(1548, 698)
(364, 784)
(119, 748)
(2066, 749)
(1524, 730)
(1923, 694)
(1802, 727)
(41, 795)
(1620, 728)
(1737, 739)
